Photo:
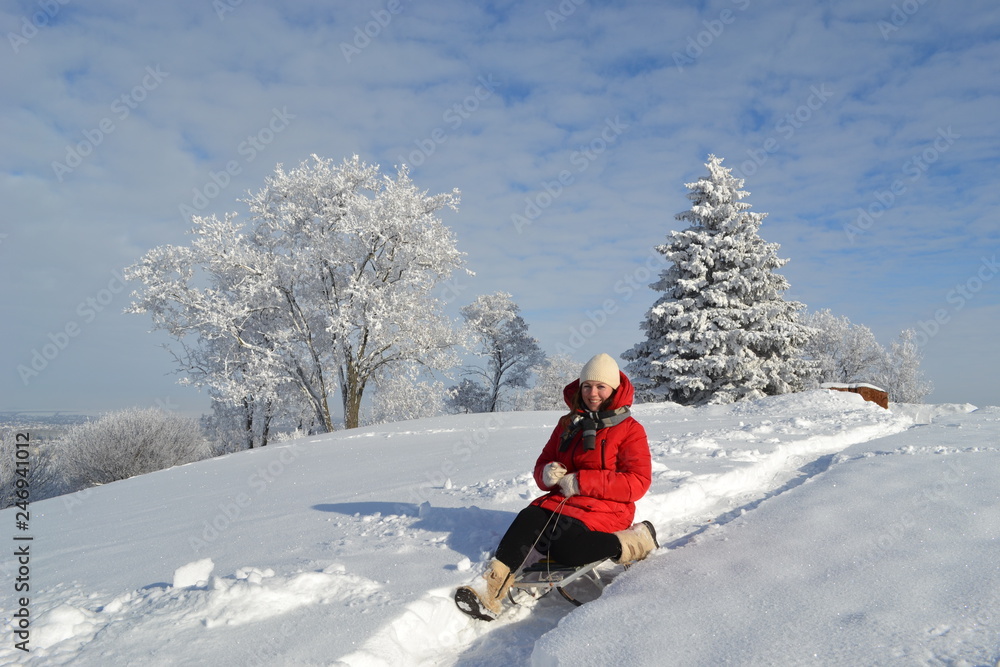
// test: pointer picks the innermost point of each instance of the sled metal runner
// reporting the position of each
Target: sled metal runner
(543, 577)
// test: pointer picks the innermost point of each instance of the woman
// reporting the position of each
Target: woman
(594, 467)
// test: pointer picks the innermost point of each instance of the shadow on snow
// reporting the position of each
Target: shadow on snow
(472, 531)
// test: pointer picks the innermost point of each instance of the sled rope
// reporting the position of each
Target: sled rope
(555, 515)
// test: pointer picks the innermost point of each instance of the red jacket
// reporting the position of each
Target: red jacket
(612, 476)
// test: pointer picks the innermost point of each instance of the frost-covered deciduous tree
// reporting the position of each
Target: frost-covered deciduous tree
(501, 338)
(722, 331)
(553, 376)
(405, 393)
(900, 374)
(131, 442)
(255, 422)
(846, 352)
(841, 351)
(467, 397)
(244, 408)
(330, 285)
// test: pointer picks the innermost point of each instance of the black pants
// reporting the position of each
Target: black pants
(561, 538)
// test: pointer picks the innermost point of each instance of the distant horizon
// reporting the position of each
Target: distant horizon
(7, 414)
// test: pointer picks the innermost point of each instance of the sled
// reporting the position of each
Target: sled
(544, 576)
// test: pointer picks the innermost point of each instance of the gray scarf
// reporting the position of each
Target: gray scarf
(590, 423)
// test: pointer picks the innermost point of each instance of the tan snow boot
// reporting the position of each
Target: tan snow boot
(637, 542)
(483, 599)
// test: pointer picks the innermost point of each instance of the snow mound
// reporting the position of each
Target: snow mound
(928, 414)
(193, 574)
(426, 629)
(195, 603)
(67, 622)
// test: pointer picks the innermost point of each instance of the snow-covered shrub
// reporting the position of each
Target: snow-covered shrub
(405, 394)
(41, 478)
(129, 443)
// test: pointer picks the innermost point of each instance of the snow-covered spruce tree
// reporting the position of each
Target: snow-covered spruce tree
(329, 286)
(501, 338)
(722, 331)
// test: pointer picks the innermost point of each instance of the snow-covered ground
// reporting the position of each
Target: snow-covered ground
(808, 529)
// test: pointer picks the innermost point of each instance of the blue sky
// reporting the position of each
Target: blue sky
(865, 130)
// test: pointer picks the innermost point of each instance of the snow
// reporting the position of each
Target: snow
(193, 574)
(805, 529)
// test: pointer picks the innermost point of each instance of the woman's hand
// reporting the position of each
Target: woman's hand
(568, 485)
(552, 473)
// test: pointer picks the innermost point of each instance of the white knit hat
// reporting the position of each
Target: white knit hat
(601, 368)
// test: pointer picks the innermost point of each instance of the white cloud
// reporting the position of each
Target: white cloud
(749, 95)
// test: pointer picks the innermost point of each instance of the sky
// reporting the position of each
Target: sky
(864, 130)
